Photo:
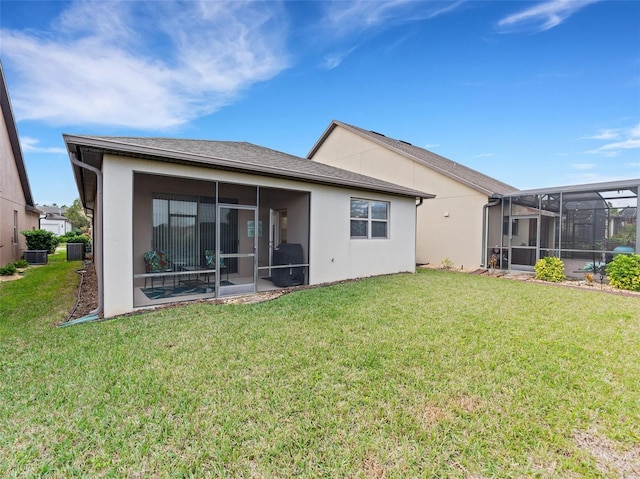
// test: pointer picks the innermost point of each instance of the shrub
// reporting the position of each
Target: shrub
(80, 239)
(41, 240)
(68, 235)
(8, 270)
(624, 272)
(21, 263)
(447, 263)
(550, 269)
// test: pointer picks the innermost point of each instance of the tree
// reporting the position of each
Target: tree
(75, 214)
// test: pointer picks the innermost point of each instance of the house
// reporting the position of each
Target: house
(52, 218)
(450, 227)
(182, 219)
(17, 209)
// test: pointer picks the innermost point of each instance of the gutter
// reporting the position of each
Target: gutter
(494, 201)
(98, 257)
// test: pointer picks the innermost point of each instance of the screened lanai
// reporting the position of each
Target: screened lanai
(198, 239)
(581, 224)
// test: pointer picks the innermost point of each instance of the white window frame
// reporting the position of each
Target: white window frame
(370, 220)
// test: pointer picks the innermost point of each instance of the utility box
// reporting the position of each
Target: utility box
(36, 256)
(75, 251)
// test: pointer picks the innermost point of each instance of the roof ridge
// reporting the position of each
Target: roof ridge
(485, 184)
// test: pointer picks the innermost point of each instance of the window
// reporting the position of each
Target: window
(15, 226)
(369, 219)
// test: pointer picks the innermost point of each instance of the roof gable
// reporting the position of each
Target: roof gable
(451, 169)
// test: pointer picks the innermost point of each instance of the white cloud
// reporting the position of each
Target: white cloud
(484, 155)
(343, 18)
(147, 65)
(630, 144)
(629, 139)
(605, 134)
(543, 16)
(30, 145)
(333, 60)
(584, 166)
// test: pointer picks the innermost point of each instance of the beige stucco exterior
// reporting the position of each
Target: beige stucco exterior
(324, 218)
(448, 226)
(15, 216)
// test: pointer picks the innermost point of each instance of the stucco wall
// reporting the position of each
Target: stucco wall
(332, 255)
(449, 226)
(11, 199)
(335, 256)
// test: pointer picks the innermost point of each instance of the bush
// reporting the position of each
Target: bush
(447, 263)
(41, 240)
(8, 270)
(68, 235)
(80, 239)
(21, 263)
(550, 269)
(624, 272)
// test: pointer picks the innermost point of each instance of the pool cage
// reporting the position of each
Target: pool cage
(584, 225)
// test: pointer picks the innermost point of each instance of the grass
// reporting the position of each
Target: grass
(427, 375)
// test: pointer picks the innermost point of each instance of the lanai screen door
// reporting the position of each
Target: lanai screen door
(238, 235)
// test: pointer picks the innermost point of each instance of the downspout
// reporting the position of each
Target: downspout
(494, 201)
(415, 242)
(97, 247)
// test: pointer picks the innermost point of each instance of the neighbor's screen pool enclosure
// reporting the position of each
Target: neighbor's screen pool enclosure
(585, 223)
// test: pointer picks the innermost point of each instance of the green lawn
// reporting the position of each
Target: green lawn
(435, 374)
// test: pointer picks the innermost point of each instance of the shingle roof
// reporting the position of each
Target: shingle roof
(456, 171)
(236, 156)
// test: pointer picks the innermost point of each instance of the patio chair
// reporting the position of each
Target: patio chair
(157, 262)
(210, 261)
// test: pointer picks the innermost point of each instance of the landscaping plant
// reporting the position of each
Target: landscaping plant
(80, 239)
(41, 240)
(550, 269)
(624, 272)
(21, 263)
(8, 270)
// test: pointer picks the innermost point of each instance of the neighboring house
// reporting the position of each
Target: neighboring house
(208, 219)
(449, 226)
(17, 209)
(53, 219)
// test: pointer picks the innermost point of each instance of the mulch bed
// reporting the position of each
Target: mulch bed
(88, 293)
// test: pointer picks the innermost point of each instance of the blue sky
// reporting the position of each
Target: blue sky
(534, 94)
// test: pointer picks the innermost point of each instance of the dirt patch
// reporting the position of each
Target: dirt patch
(610, 459)
(373, 468)
(10, 277)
